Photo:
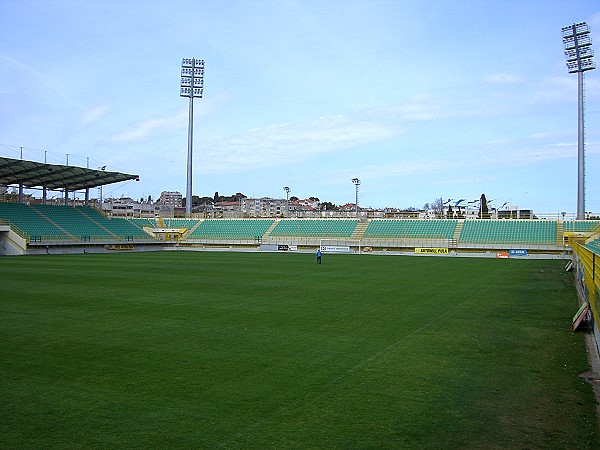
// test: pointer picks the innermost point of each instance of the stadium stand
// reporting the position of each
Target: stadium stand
(180, 223)
(514, 231)
(31, 222)
(74, 223)
(409, 228)
(582, 226)
(45, 222)
(323, 228)
(224, 229)
(121, 228)
(593, 246)
(141, 222)
(42, 225)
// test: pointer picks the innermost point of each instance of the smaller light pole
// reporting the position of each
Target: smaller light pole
(100, 188)
(356, 183)
(287, 197)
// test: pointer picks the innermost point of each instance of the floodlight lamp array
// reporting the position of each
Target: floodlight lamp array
(578, 47)
(192, 72)
(576, 28)
(189, 92)
(192, 62)
(192, 78)
(195, 82)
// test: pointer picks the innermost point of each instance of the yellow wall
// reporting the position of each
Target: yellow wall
(589, 271)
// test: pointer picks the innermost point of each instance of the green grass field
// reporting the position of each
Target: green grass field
(251, 350)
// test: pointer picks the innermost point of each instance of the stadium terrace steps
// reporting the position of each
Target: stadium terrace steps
(121, 228)
(29, 221)
(513, 231)
(75, 224)
(89, 217)
(457, 231)
(560, 232)
(593, 245)
(52, 222)
(141, 223)
(46, 222)
(180, 223)
(268, 232)
(359, 231)
(95, 222)
(233, 229)
(411, 228)
(68, 223)
(582, 226)
(322, 228)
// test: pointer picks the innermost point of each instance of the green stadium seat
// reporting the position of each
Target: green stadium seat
(317, 228)
(514, 231)
(411, 228)
(231, 229)
(43, 222)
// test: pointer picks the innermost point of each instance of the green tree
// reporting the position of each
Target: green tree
(483, 208)
(328, 206)
(437, 206)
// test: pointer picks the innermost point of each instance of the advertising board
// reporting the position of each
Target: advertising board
(335, 249)
(431, 250)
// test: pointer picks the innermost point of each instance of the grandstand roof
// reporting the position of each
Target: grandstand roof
(56, 176)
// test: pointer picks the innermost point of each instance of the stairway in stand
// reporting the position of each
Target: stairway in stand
(359, 231)
(457, 231)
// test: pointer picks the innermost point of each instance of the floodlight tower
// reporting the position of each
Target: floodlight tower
(580, 58)
(192, 86)
(356, 182)
(287, 196)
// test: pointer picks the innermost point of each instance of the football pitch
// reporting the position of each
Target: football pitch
(267, 350)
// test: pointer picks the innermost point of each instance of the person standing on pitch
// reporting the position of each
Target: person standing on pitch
(319, 255)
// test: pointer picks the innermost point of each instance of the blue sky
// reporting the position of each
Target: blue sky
(419, 100)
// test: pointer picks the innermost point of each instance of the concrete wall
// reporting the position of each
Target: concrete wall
(11, 244)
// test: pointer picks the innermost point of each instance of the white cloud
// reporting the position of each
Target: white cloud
(503, 78)
(551, 134)
(41, 80)
(419, 167)
(292, 142)
(428, 107)
(143, 130)
(521, 153)
(501, 154)
(93, 115)
(418, 108)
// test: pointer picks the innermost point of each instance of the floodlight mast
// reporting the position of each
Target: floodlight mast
(287, 203)
(580, 58)
(192, 86)
(356, 183)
